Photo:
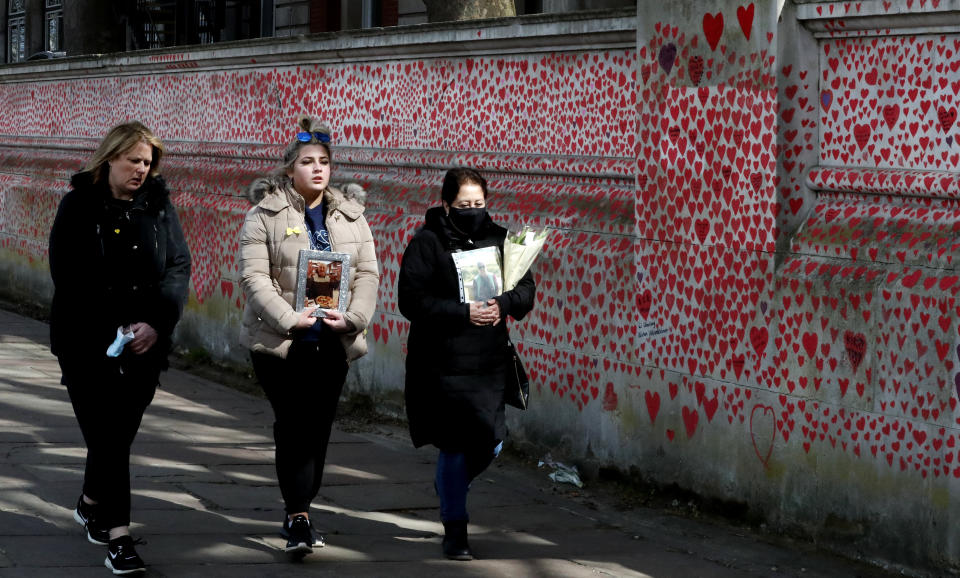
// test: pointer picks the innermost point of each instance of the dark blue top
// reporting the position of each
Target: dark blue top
(316, 223)
(319, 241)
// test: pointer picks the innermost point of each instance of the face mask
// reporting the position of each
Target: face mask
(468, 220)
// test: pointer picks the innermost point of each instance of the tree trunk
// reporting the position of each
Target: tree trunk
(446, 10)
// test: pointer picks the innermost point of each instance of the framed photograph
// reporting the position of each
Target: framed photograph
(479, 273)
(323, 281)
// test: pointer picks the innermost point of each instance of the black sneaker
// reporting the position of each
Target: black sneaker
(299, 536)
(122, 557)
(318, 540)
(85, 515)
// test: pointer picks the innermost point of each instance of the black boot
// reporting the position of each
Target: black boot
(455, 545)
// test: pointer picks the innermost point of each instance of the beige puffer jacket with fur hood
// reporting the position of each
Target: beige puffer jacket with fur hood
(268, 263)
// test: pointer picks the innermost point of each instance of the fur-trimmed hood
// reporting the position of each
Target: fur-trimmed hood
(282, 186)
(270, 243)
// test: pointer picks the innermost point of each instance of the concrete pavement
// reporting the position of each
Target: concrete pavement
(205, 499)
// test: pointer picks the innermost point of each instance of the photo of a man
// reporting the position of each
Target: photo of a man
(479, 274)
(323, 284)
(485, 285)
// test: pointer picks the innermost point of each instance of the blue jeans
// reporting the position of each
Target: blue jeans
(455, 471)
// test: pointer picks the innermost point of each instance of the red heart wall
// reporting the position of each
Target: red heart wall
(797, 218)
(553, 128)
(705, 316)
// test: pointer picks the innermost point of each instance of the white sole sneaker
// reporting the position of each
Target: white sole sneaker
(79, 519)
(301, 548)
(106, 562)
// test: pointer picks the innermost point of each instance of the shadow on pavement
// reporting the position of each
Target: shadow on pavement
(206, 502)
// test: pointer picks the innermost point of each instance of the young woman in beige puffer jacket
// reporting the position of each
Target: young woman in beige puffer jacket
(301, 361)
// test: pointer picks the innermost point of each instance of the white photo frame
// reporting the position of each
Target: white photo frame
(479, 274)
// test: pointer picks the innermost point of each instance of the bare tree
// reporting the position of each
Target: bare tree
(446, 10)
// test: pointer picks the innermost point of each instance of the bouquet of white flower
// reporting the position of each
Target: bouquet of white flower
(520, 249)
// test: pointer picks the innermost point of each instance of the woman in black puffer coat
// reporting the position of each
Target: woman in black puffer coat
(118, 259)
(456, 352)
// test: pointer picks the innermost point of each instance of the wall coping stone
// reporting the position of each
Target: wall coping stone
(605, 168)
(588, 30)
(900, 182)
(878, 17)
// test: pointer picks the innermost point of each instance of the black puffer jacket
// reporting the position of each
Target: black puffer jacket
(455, 370)
(114, 263)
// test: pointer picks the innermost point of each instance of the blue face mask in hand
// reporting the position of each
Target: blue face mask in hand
(123, 338)
(468, 220)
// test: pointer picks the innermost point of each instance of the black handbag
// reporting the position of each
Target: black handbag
(516, 391)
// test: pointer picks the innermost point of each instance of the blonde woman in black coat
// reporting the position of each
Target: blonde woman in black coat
(456, 357)
(118, 260)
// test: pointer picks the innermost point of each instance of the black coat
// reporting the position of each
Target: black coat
(115, 263)
(455, 370)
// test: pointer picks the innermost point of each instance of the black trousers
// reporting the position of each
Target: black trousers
(304, 390)
(109, 406)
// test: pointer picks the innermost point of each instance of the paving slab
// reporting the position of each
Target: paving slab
(173, 450)
(35, 551)
(206, 501)
(29, 524)
(59, 430)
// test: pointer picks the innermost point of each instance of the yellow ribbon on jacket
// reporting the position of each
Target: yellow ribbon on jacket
(292, 230)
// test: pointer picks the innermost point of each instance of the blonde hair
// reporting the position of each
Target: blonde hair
(292, 151)
(120, 139)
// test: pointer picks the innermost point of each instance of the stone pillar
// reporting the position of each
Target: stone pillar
(34, 26)
(706, 219)
(292, 17)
